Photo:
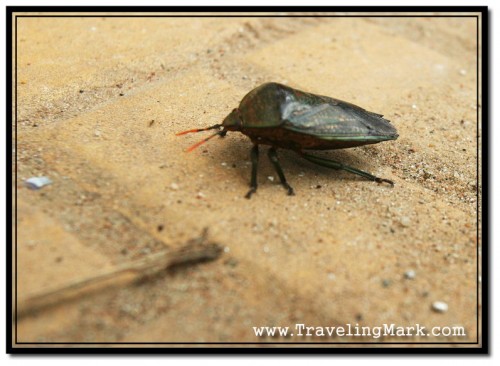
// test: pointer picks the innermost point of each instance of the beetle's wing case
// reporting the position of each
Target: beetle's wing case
(332, 119)
(276, 105)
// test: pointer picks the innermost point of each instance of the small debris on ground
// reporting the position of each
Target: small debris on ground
(405, 221)
(440, 306)
(386, 283)
(37, 182)
(410, 275)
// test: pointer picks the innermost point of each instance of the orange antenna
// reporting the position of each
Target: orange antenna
(202, 141)
(197, 130)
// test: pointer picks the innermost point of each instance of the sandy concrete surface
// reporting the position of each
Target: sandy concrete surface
(99, 102)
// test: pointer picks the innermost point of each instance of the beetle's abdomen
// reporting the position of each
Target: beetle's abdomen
(285, 139)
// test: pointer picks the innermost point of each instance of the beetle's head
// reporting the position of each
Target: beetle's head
(233, 121)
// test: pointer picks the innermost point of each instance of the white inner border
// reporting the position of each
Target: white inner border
(246, 359)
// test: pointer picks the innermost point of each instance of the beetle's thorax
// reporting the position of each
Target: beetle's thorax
(233, 121)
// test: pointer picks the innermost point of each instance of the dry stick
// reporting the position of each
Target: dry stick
(194, 252)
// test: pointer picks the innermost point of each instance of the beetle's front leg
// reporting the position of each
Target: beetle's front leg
(273, 156)
(254, 157)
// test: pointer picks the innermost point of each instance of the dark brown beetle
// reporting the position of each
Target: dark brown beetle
(283, 117)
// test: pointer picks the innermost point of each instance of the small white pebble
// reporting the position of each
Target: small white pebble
(410, 275)
(405, 221)
(463, 72)
(331, 276)
(200, 195)
(97, 133)
(271, 178)
(414, 106)
(226, 249)
(223, 164)
(301, 174)
(174, 186)
(266, 249)
(440, 306)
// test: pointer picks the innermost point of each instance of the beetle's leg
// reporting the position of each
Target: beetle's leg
(254, 157)
(273, 156)
(336, 165)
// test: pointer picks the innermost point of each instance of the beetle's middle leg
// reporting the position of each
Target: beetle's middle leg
(273, 156)
(339, 166)
(254, 157)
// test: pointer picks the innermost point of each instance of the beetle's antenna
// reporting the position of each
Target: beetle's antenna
(198, 130)
(220, 133)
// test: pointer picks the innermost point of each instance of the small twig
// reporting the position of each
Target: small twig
(195, 251)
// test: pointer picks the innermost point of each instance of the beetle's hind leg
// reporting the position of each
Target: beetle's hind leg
(273, 156)
(254, 157)
(339, 166)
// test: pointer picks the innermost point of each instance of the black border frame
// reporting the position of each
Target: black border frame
(229, 347)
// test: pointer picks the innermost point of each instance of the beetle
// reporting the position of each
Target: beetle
(283, 117)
